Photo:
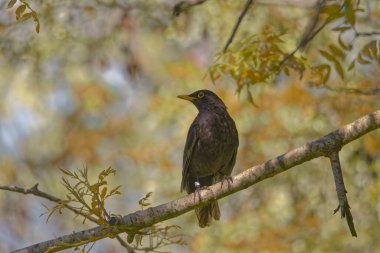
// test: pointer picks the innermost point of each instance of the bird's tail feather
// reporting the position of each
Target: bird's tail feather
(206, 213)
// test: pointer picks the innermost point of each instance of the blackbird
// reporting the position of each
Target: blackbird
(210, 149)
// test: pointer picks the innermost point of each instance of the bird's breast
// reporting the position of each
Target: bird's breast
(215, 145)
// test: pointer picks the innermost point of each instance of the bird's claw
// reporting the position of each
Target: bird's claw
(229, 180)
(198, 189)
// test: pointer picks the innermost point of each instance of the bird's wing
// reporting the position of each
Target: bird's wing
(232, 161)
(191, 141)
(227, 169)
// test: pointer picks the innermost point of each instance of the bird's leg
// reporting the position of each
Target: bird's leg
(197, 186)
(229, 180)
(198, 189)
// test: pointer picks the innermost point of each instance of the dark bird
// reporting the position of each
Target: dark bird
(210, 150)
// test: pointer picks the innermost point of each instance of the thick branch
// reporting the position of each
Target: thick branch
(341, 192)
(324, 146)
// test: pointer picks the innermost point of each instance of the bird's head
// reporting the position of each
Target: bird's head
(204, 100)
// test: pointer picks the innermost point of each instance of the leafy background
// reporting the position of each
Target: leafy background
(96, 87)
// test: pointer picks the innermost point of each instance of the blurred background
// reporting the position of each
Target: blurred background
(97, 87)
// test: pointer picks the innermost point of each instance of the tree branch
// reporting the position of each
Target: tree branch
(324, 146)
(341, 192)
(237, 24)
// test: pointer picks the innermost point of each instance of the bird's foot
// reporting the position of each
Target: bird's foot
(198, 189)
(229, 180)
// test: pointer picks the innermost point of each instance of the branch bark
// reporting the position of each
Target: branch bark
(341, 192)
(325, 146)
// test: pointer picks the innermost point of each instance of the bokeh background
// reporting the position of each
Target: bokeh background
(97, 87)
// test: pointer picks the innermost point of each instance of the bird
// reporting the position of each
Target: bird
(210, 150)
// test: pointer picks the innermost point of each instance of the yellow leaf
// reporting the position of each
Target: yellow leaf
(350, 13)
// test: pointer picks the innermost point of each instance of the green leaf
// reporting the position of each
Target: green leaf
(328, 56)
(95, 187)
(371, 50)
(352, 65)
(323, 70)
(341, 43)
(25, 16)
(11, 3)
(331, 9)
(103, 193)
(115, 190)
(336, 51)
(333, 12)
(350, 13)
(327, 75)
(286, 71)
(339, 69)
(338, 66)
(250, 98)
(342, 28)
(361, 60)
(20, 10)
(67, 172)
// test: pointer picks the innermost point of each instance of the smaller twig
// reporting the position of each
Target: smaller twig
(308, 34)
(183, 6)
(341, 191)
(36, 192)
(237, 24)
(367, 34)
(368, 92)
(124, 244)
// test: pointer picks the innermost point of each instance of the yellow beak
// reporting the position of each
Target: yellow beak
(186, 97)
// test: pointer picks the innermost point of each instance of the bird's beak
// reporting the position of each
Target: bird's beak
(186, 97)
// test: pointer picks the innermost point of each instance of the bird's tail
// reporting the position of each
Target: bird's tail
(206, 213)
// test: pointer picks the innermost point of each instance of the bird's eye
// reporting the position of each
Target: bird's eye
(201, 95)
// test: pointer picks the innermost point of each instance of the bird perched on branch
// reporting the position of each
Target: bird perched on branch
(210, 150)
